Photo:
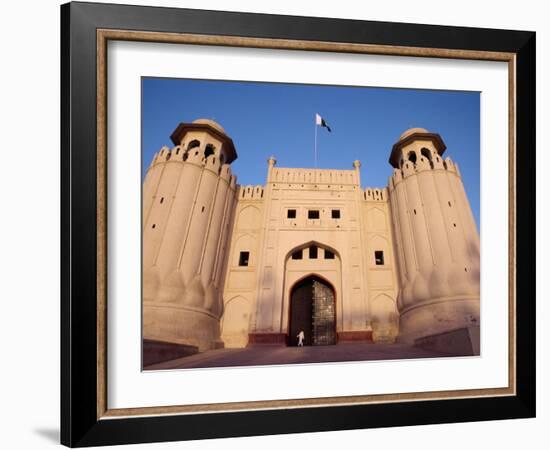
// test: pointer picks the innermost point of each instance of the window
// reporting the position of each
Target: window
(209, 150)
(297, 254)
(335, 213)
(412, 157)
(329, 254)
(193, 144)
(161, 200)
(428, 155)
(312, 252)
(291, 214)
(379, 257)
(313, 214)
(243, 259)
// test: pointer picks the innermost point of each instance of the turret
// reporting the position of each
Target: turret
(189, 196)
(436, 239)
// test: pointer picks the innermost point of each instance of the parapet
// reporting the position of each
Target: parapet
(375, 194)
(225, 172)
(423, 164)
(178, 154)
(213, 164)
(313, 176)
(250, 192)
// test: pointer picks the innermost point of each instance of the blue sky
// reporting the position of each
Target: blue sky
(278, 119)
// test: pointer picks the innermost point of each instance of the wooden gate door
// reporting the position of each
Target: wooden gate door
(324, 314)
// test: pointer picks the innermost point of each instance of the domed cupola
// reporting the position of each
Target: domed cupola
(204, 138)
(413, 143)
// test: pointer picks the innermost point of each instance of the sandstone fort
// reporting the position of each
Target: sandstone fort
(311, 250)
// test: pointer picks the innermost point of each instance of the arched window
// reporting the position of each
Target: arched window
(222, 160)
(412, 157)
(193, 144)
(427, 154)
(209, 150)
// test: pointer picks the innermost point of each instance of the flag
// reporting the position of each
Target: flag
(320, 121)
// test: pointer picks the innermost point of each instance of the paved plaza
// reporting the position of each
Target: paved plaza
(270, 355)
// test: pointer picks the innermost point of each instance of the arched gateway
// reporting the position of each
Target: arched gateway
(313, 311)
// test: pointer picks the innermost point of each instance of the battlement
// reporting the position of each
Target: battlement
(313, 176)
(193, 156)
(375, 194)
(250, 192)
(423, 164)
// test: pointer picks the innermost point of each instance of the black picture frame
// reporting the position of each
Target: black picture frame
(80, 421)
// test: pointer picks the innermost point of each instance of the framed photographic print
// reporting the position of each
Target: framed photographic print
(276, 224)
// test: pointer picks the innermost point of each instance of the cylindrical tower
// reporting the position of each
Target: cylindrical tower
(437, 242)
(158, 194)
(184, 213)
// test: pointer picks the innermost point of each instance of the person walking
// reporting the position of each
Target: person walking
(301, 335)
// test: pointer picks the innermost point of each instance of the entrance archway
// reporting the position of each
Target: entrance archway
(313, 311)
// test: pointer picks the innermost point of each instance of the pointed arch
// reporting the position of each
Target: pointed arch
(311, 244)
(426, 152)
(209, 150)
(193, 144)
(309, 292)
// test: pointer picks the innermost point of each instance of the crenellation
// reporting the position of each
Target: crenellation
(194, 156)
(423, 164)
(451, 166)
(408, 169)
(160, 156)
(313, 176)
(212, 163)
(438, 163)
(251, 192)
(375, 194)
(225, 172)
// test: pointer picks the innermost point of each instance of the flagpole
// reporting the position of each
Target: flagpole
(315, 125)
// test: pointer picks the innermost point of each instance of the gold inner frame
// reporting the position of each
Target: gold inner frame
(104, 35)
